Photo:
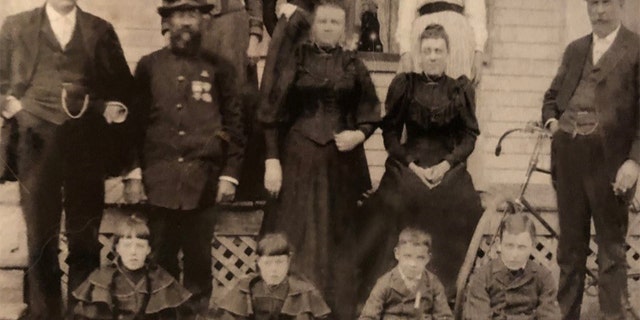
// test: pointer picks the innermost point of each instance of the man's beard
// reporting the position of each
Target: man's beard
(185, 41)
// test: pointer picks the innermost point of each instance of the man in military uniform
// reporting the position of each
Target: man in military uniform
(190, 148)
(63, 80)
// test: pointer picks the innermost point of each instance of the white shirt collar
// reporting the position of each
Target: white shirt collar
(55, 16)
(608, 38)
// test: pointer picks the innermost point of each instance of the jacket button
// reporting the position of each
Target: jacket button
(180, 78)
(179, 106)
(181, 133)
(181, 159)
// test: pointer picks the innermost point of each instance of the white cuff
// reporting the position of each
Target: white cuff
(229, 179)
(135, 174)
(272, 161)
(549, 122)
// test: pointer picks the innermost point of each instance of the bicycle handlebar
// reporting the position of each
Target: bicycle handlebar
(530, 127)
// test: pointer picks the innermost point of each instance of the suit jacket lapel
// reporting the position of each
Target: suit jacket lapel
(574, 72)
(30, 36)
(87, 30)
(45, 28)
(611, 57)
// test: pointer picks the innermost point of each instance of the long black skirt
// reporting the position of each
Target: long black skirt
(449, 212)
(316, 210)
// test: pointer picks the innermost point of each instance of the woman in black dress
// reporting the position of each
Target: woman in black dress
(426, 183)
(329, 110)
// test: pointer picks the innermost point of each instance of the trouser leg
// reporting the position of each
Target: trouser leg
(610, 217)
(40, 199)
(84, 174)
(165, 227)
(196, 241)
(570, 168)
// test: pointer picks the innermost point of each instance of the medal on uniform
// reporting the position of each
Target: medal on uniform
(206, 91)
(196, 89)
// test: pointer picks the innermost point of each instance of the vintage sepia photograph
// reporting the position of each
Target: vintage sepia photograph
(320, 159)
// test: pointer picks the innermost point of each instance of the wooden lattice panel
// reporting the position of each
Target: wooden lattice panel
(234, 257)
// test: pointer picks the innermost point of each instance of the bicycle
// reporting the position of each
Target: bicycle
(517, 205)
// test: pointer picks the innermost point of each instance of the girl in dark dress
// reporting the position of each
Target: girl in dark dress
(131, 288)
(330, 109)
(426, 182)
(274, 293)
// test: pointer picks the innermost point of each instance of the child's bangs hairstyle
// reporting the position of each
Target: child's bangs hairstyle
(414, 237)
(132, 227)
(518, 223)
(435, 31)
(332, 3)
(274, 244)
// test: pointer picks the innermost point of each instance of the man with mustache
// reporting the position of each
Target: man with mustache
(593, 110)
(64, 82)
(190, 147)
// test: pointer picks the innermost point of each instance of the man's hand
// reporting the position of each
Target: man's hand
(626, 177)
(253, 51)
(273, 177)
(11, 107)
(349, 139)
(226, 191)
(134, 191)
(115, 112)
(476, 68)
(406, 62)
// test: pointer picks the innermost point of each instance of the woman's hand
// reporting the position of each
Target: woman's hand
(273, 177)
(421, 174)
(349, 139)
(476, 68)
(436, 173)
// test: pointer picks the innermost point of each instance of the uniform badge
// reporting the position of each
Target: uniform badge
(196, 89)
(205, 74)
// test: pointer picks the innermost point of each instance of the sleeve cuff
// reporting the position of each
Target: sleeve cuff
(135, 174)
(452, 160)
(549, 122)
(256, 28)
(229, 179)
(8, 113)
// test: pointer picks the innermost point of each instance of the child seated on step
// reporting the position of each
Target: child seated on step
(408, 291)
(274, 293)
(130, 288)
(512, 286)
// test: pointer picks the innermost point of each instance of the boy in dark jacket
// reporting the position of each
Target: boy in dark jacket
(408, 291)
(513, 287)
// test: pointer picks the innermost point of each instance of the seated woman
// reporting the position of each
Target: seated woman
(466, 25)
(426, 183)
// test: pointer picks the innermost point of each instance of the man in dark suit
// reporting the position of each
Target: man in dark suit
(64, 79)
(191, 146)
(593, 110)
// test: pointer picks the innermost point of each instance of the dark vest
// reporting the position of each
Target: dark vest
(55, 67)
(581, 112)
